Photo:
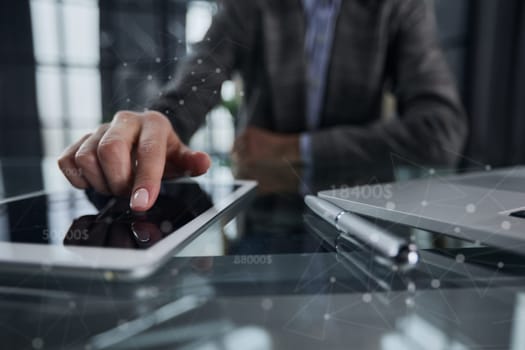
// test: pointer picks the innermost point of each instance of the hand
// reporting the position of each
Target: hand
(258, 146)
(130, 156)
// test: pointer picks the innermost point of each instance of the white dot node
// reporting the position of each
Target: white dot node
(435, 283)
(488, 167)
(424, 203)
(157, 59)
(367, 297)
(125, 64)
(409, 302)
(332, 279)
(109, 276)
(150, 77)
(470, 208)
(215, 92)
(460, 258)
(457, 229)
(267, 304)
(199, 61)
(391, 205)
(192, 73)
(37, 343)
(218, 71)
(181, 102)
(500, 265)
(128, 100)
(194, 88)
(506, 225)
(432, 171)
(180, 41)
(411, 287)
(175, 58)
(170, 77)
(326, 316)
(72, 304)
(203, 80)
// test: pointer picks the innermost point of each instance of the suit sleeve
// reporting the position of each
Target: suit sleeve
(196, 87)
(431, 127)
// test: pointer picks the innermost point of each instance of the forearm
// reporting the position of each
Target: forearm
(431, 127)
(196, 87)
(433, 136)
(195, 90)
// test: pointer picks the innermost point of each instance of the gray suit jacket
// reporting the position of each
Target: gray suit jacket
(378, 45)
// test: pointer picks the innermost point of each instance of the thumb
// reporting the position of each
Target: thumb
(184, 161)
(196, 163)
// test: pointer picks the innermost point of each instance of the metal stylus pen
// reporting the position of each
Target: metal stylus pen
(381, 241)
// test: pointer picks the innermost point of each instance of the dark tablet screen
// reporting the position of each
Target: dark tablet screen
(91, 219)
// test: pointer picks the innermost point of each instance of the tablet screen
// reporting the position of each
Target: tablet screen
(90, 219)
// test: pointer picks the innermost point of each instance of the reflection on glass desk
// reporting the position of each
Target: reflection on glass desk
(266, 280)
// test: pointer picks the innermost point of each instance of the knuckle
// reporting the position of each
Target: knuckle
(123, 116)
(110, 148)
(156, 118)
(86, 160)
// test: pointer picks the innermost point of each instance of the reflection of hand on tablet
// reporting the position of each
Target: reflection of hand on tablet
(117, 226)
(105, 159)
(91, 231)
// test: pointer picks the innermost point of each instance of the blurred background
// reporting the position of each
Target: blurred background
(67, 65)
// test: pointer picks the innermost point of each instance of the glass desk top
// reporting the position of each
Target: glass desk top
(265, 280)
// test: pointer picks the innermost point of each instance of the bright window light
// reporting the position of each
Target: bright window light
(198, 21)
(45, 31)
(49, 94)
(81, 28)
(84, 97)
(228, 90)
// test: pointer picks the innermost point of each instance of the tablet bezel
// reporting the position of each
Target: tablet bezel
(115, 263)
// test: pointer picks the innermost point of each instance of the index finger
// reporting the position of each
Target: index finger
(151, 160)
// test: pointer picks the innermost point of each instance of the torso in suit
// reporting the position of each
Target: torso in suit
(377, 44)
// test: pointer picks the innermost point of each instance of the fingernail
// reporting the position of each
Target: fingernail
(140, 199)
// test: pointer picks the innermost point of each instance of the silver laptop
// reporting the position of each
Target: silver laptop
(486, 207)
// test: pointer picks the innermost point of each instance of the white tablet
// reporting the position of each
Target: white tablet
(84, 234)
